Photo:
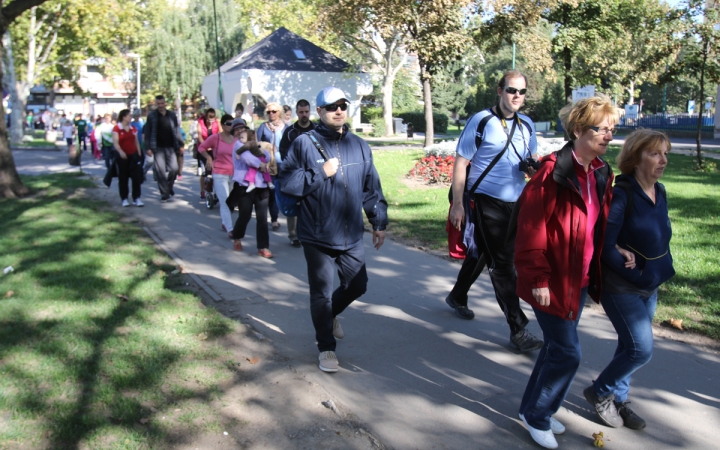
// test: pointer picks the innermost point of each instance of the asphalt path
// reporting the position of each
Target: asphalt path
(416, 374)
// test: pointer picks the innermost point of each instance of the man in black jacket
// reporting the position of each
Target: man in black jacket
(302, 125)
(163, 140)
(331, 170)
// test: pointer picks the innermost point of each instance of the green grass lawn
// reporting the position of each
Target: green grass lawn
(97, 331)
(420, 213)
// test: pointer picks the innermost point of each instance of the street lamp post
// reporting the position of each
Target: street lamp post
(135, 55)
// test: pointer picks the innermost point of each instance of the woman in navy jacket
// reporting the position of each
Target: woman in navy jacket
(640, 225)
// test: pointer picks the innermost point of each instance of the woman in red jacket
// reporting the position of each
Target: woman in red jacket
(561, 221)
(207, 126)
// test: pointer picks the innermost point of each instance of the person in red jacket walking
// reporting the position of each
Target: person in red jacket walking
(562, 213)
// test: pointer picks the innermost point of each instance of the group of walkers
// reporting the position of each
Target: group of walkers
(551, 241)
(565, 234)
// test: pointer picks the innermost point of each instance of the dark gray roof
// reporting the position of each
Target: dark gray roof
(277, 52)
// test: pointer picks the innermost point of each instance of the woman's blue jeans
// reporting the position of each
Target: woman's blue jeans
(555, 368)
(632, 316)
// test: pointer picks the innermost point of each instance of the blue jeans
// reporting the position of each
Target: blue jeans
(555, 368)
(325, 303)
(632, 316)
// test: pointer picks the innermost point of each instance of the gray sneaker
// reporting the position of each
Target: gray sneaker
(524, 341)
(328, 362)
(337, 329)
(605, 407)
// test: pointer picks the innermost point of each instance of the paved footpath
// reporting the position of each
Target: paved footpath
(416, 374)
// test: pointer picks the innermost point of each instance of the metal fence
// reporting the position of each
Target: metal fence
(669, 122)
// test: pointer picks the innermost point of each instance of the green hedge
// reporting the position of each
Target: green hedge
(417, 119)
(368, 113)
(378, 127)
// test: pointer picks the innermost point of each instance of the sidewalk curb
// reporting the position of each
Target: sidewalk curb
(214, 295)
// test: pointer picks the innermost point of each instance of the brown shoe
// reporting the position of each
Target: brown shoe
(265, 253)
(237, 245)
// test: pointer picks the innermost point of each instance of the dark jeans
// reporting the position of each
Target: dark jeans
(274, 209)
(259, 199)
(106, 154)
(165, 169)
(493, 215)
(129, 169)
(632, 316)
(325, 303)
(81, 141)
(555, 368)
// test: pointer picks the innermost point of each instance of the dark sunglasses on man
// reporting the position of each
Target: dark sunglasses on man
(227, 124)
(513, 91)
(335, 106)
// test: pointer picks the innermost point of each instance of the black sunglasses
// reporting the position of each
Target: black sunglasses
(513, 91)
(273, 112)
(335, 106)
(227, 124)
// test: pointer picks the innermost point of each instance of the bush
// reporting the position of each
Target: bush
(417, 119)
(367, 114)
(378, 127)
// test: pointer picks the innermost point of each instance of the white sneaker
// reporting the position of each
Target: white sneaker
(125, 203)
(544, 438)
(138, 202)
(337, 329)
(555, 426)
(328, 362)
(271, 186)
(251, 187)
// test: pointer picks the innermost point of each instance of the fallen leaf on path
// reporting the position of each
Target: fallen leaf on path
(203, 336)
(598, 440)
(253, 360)
(175, 272)
(9, 294)
(123, 297)
(676, 323)
(144, 420)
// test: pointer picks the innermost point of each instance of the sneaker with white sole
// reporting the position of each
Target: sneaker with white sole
(125, 203)
(524, 341)
(328, 362)
(555, 426)
(545, 438)
(139, 203)
(250, 188)
(337, 329)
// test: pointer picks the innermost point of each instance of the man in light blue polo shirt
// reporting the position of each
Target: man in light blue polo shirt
(485, 135)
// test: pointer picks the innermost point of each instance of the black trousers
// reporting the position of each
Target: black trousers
(257, 198)
(272, 205)
(129, 169)
(493, 217)
(325, 303)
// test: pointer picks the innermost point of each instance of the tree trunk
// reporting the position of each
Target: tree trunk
(17, 106)
(387, 102)
(10, 184)
(698, 137)
(567, 79)
(631, 91)
(427, 98)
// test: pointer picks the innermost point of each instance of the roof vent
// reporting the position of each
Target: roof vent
(299, 54)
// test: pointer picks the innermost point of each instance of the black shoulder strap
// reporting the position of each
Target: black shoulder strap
(481, 129)
(496, 159)
(319, 146)
(630, 198)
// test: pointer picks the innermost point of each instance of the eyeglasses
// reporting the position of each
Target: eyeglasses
(272, 112)
(604, 130)
(227, 124)
(335, 106)
(513, 91)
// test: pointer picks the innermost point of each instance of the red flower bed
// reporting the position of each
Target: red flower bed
(433, 169)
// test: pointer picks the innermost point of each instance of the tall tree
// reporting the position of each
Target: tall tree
(10, 184)
(373, 34)
(701, 55)
(437, 35)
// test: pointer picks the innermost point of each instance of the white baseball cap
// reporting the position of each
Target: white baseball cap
(330, 95)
